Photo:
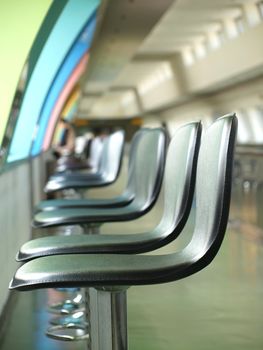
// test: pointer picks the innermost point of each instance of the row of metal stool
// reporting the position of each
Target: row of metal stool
(107, 265)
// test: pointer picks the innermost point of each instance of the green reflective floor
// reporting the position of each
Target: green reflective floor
(220, 308)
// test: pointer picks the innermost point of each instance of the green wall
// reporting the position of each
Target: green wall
(19, 24)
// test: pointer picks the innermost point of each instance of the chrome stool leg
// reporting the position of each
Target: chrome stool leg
(68, 332)
(91, 229)
(77, 317)
(72, 305)
(73, 327)
(68, 306)
(108, 319)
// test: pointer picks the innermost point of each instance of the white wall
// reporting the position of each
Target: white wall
(237, 57)
(15, 216)
(244, 99)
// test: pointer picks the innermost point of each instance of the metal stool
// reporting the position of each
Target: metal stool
(112, 275)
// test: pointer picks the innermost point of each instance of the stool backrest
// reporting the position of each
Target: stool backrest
(179, 181)
(213, 191)
(148, 167)
(112, 153)
(133, 154)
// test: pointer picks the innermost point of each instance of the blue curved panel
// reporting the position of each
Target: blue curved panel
(81, 45)
(70, 23)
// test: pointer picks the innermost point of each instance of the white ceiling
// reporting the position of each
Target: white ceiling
(185, 21)
(136, 38)
(125, 25)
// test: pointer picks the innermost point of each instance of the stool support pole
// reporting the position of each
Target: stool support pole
(108, 319)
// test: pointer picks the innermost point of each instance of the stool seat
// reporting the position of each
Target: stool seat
(118, 201)
(110, 270)
(71, 164)
(59, 184)
(81, 216)
(107, 173)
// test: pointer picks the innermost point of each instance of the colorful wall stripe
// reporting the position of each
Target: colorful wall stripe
(68, 26)
(81, 45)
(67, 113)
(79, 70)
(71, 104)
(47, 26)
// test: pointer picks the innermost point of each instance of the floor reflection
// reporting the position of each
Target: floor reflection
(219, 308)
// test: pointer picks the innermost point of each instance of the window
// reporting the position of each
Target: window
(256, 121)
(240, 25)
(221, 36)
(244, 134)
(188, 56)
(260, 8)
(200, 49)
